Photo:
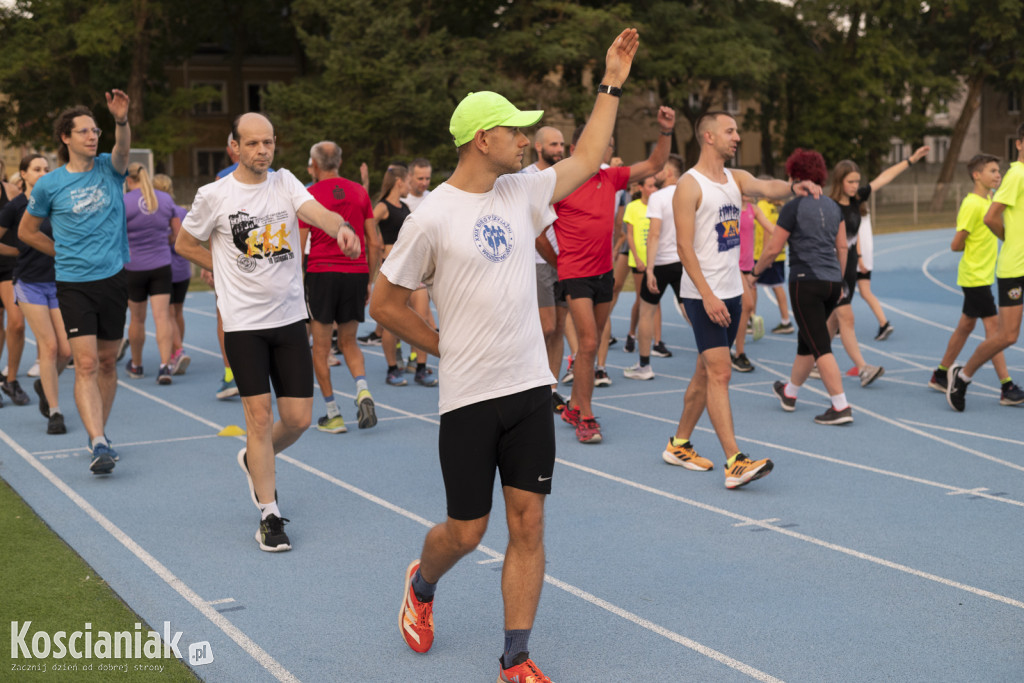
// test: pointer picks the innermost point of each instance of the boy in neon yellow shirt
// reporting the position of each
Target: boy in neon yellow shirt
(775, 276)
(637, 225)
(976, 274)
(1005, 218)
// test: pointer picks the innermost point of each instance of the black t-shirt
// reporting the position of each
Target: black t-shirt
(851, 213)
(30, 265)
(390, 226)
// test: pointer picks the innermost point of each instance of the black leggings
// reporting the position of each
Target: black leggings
(813, 302)
(279, 355)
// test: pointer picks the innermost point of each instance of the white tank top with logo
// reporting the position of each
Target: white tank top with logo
(716, 238)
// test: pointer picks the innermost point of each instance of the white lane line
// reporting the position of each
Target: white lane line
(964, 432)
(568, 588)
(818, 456)
(207, 314)
(940, 283)
(230, 630)
(758, 522)
(799, 536)
(191, 347)
(940, 326)
(133, 443)
(635, 619)
(913, 430)
(222, 601)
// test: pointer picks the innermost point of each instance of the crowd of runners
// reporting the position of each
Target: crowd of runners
(518, 262)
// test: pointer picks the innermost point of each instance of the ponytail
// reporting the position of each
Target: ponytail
(138, 173)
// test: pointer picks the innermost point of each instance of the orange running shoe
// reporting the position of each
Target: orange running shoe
(415, 619)
(685, 456)
(523, 672)
(744, 470)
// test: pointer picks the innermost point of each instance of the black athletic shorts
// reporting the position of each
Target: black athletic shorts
(773, 275)
(7, 268)
(143, 284)
(849, 277)
(707, 333)
(178, 291)
(979, 302)
(336, 297)
(279, 355)
(94, 308)
(1010, 291)
(813, 302)
(514, 434)
(666, 276)
(862, 275)
(599, 287)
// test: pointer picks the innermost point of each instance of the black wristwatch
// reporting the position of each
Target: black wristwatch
(609, 90)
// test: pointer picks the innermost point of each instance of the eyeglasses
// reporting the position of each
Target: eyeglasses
(85, 131)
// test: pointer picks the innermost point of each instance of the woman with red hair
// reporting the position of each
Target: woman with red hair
(813, 229)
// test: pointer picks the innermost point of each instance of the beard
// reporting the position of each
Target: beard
(551, 159)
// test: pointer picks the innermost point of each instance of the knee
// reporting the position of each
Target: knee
(526, 528)
(465, 537)
(720, 374)
(588, 345)
(86, 365)
(15, 327)
(297, 422)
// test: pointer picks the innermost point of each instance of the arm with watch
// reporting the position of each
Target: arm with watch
(659, 155)
(586, 158)
(117, 105)
(315, 213)
(889, 174)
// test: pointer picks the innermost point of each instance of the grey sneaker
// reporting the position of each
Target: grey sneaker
(835, 417)
(870, 373)
(788, 404)
(740, 363)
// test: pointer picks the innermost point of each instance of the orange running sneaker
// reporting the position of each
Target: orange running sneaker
(744, 470)
(415, 619)
(522, 672)
(685, 456)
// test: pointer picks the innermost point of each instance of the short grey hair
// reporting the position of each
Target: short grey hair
(326, 154)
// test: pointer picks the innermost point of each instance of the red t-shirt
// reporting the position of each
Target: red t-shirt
(586, 220)
(342, 196)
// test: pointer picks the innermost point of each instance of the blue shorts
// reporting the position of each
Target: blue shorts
(709, 334)
(38, 293)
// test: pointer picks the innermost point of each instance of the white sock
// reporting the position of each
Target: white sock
(332, 407)
(99, 440)
(54, 410)
(965, 377)
(839, 401)
(785, 321)
(791, 390)
(269, 509)
(361, 385)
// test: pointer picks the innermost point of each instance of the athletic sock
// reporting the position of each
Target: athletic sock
(839, 402)
(423, 589)
(943, 368)
(965, 377)
(228, 375)
(54, 409)
(100, 441)
(420, 367)
(361, 384)
(332, 407)
(516, 641)
(269, 509)
(785, 321)
(731, 460)
(791, 390)
(1004, 382)
(679, 443)
(392, 368)
(645, 361)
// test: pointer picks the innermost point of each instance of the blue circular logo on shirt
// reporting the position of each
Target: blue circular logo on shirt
(494, 238)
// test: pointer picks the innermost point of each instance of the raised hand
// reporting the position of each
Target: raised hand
(619, 59)
(117, 104)
(666, 118)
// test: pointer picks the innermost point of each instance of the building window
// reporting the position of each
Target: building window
(254, 96)
(940, 148)
(695, 101)
(1013, 102)
(897, 152)
(735, 161)
(732, 105)
(210, 161)
(216, 104)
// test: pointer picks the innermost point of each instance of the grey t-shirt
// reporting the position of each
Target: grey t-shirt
(812, 225)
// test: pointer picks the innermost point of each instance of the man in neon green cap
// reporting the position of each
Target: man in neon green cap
(472, 243)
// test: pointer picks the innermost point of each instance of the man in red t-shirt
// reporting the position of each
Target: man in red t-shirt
(586, 220)
(337, 287)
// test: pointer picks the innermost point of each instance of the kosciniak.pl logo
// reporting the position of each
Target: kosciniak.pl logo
(88, 644)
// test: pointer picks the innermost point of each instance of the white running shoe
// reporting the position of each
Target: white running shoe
(638, 371)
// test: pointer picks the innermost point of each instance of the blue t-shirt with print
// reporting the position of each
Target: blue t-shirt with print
(87, 213)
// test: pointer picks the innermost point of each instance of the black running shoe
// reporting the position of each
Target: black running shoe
(102, 462)
(788, 404)
(660, 350)
(557, 402)
(56, 425)
(630, 345)
(1011, 395)
(17, 394)
(44, 405)
(938, 380)
(612, 341)
(835, 417)
(956, 389)
(367, 414)
(372, 339)
(884, 331)
(740, 363)
(271, 535)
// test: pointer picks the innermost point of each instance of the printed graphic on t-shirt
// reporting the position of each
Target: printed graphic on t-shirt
(494, 238)
(144, 208)
(728, 227)
(259, 238)
(87, 200)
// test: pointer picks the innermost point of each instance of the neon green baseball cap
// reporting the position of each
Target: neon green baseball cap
(485, 110)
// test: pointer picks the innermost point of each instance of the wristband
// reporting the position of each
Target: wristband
(609, 90)
(910, 162)
(666, 132)
(121, 123)
(791, 190)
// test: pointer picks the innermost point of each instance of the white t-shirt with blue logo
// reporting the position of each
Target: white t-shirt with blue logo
(716, 238)
(475, 253)
(86, 211)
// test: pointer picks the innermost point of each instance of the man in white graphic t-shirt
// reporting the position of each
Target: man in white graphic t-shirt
(707, 206)
(251, 218)
(473, 245)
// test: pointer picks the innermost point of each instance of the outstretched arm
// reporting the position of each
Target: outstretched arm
(117, 104)
(889, 174)
(774, 189)
(315, 213)
(586, 158)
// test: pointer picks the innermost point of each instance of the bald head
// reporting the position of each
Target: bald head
(549, 145)
(254, 140)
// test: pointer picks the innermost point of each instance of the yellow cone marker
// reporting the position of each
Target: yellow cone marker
(232, 430)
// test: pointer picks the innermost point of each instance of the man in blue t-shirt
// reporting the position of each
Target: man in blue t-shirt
(83, 200)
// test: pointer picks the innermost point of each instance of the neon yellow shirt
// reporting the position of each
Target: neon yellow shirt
(978, 264)
(636, 216)
(1011, 194)
(771, 212)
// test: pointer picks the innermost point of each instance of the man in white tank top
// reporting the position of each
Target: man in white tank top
(707, 207)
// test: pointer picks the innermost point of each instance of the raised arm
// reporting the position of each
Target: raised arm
(586, 158)
(315, 213)
(889, 174)
(659, 155)
(117, 104)
(774, 189)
